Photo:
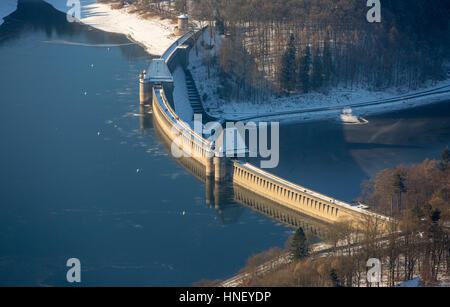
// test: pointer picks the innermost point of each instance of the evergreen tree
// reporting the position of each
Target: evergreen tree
(299, 244)
(327, 62)
(181, 6)
(398, 183)
(220, 25)
(287, 69)
(317, 71)
(304, 70)
(399, 187)
(445, 157)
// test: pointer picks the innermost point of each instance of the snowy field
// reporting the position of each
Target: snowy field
(311, 106)
(155, 35)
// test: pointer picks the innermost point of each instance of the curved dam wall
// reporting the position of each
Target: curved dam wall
(221, 195)
(298, 198)
(182, 136)
(187, 144)
(157, 91)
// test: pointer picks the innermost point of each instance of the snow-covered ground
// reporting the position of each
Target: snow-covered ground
(155, 34)
(411, 283)
(306, 107)
(315, 106)
(6, 8)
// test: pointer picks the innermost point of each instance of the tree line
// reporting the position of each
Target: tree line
(163, 8)
(299, 46)
(277, 47)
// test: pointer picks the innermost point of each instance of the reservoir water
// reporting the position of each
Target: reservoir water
(80, 178)
(83, 174)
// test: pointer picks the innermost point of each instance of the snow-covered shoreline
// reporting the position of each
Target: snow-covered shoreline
(155, 35)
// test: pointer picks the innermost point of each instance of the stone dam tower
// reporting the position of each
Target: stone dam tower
(183, 25)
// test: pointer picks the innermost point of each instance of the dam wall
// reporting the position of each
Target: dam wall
(299, 198)
(188, 144)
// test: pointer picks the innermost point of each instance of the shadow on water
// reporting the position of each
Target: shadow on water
(218, 197)
(317, 156)
(334, 158)
(39, 16)
(71, 186)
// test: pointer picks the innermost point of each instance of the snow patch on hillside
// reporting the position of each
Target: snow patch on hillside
(416, 282)
(206, 81)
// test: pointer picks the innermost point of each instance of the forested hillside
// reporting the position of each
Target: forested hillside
(299, 46)
(308, 45)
